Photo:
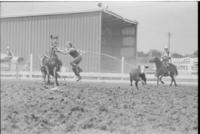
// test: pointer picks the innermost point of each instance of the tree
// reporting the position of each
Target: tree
(176, 55)
(154, 53)
(195, 53)
(141, 54)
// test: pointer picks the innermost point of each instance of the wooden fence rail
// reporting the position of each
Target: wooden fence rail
(96, 77)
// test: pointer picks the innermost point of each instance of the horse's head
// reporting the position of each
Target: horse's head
(54, 39)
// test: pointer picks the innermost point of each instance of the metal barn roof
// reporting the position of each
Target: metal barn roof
(110, 13)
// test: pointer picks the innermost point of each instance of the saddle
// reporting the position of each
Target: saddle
(166, 67)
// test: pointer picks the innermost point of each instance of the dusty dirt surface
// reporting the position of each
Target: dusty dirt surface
(29, 107)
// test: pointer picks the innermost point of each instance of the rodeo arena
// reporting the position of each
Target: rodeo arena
(111, 91)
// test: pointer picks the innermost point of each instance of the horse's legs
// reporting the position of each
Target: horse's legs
(55, 77)
(44, 77)
(175, 83)
(171, 80)
(161, 80)
(47, 74)
(136, 84)
(174, 80)
(157, 80)
(131, 81)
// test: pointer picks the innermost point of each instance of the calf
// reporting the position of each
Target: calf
(138, 74)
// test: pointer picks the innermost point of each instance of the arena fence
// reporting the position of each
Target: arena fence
(96, 77)
(27, 73)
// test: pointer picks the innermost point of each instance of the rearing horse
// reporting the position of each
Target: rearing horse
(163, 71)
(51, 65)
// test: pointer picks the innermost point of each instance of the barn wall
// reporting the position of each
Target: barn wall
(111, 45)
(117, 41)
(129, 46)
(27, 35)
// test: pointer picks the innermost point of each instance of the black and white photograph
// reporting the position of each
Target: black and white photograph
(99, 67)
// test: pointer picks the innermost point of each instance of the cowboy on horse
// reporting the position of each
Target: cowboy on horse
(166, 57)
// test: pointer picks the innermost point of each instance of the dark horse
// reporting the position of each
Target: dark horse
(50, 66)
(163, 71)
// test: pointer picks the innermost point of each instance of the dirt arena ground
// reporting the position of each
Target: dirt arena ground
(30, 107)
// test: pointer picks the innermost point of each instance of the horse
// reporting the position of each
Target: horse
(50, 67)
(163, 71)
(137, 75)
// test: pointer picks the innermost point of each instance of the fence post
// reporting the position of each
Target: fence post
(122, 67)
(17, 71)
(31, 65)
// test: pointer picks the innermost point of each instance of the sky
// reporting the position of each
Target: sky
(155, 19)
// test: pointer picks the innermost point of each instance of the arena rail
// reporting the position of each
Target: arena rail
(96, 77)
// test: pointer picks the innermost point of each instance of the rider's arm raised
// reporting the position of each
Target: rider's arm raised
(65, 52)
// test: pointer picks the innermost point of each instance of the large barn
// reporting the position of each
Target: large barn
(102, 34)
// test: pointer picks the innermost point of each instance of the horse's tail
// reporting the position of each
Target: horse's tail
(176, 71)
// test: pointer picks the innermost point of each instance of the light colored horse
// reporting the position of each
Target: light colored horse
(14, 59)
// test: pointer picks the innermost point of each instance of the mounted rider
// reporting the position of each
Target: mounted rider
(166, 57)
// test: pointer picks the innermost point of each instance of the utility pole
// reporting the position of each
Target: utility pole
(169, 36)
